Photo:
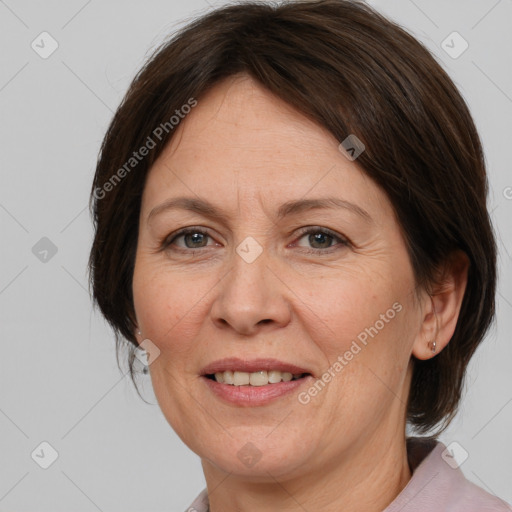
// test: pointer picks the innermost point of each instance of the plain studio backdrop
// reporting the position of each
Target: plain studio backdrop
(65, 67)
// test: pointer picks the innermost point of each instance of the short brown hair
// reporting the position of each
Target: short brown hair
(352, 71)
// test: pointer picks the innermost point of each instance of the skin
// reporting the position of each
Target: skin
(247, 152)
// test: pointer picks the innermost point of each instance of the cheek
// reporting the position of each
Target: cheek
(168, 305)
(364, 325)
(343, 307)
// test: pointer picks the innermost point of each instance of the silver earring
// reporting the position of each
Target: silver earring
(433, 346)
(145, 369)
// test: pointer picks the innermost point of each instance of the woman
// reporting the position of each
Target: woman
(290, 214)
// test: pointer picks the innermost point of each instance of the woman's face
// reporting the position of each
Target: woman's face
(248, 283)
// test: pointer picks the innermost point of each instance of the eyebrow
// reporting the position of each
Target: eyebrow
(294, 207)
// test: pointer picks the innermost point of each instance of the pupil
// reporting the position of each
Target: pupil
(320, 237)
(196, 237)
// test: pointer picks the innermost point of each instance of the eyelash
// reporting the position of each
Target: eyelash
(169, 240)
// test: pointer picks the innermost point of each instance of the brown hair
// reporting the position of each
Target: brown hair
(352, 71)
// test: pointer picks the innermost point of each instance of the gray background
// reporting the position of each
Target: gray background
(59, 382)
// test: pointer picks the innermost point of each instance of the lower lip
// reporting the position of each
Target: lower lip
(250, 396)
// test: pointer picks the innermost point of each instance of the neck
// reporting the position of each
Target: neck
(367, 477)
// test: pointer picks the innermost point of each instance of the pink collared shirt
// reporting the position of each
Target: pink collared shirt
(435, 486)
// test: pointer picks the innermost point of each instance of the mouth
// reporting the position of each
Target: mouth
(255, 383)
(256, 372)
(258, 378)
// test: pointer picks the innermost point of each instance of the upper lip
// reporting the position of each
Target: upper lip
(252, 365)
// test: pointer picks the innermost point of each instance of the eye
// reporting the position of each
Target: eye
(193, 238)
(321, 239)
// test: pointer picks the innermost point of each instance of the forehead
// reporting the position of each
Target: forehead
(242, 142)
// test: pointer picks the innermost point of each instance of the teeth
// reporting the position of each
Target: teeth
(274, 376)
(240, 378)
(260, 378)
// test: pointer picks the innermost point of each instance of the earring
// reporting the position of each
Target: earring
(145, 370)
(432, 345)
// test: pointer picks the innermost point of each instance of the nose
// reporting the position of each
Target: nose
(251, 297)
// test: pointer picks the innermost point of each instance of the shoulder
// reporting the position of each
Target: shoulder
(471, 498)
(438, 483)
(201, 503)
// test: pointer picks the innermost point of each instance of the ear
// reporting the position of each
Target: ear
(441, 312)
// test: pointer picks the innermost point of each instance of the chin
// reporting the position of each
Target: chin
(258, 459)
